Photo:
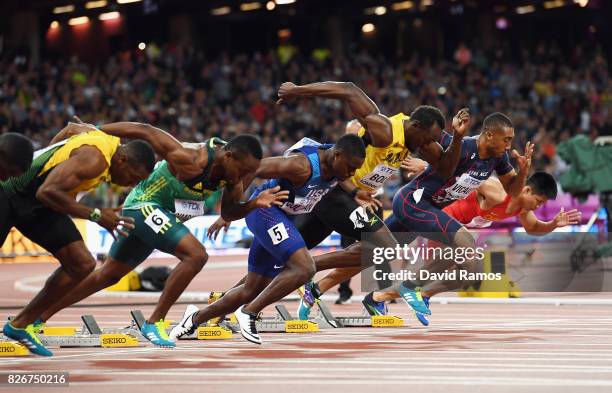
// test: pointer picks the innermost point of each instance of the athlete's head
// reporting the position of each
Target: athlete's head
(498, 133)
(15, 155)
(540, 187)
(426, 123)
(242, 155)
(132, 163)
(349, 154)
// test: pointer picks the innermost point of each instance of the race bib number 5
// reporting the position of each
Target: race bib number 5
(157, 220)
(278, 233)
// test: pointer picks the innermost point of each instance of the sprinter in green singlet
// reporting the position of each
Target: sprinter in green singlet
(160, 204)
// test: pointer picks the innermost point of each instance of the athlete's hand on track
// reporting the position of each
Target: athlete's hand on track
(112, 221)
(271, 197)
(366, 200)
(564, 218)
(461, 122)
(215, 228)
(414, 165)
(524, 162)
(286, 92)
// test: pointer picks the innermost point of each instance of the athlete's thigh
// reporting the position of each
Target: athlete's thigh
(276, 239)
(313, 231)
(158, 228)
(50, 229)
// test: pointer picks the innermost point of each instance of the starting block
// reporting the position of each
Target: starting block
(90, 335)
(10, 349)
(326, 319)
(282, 322)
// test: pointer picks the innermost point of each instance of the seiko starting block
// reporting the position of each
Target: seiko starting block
(326, 319)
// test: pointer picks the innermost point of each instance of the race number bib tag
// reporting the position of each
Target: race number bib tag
(463, 187)
(186, 209)
(157, 220)
(278, 233)
(378, 176)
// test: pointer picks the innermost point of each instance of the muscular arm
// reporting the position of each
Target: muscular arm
(443, 161)
(513, 183)
(85, 163)
(183, 160)
(365, 110)
(70, 130)
(534, 226)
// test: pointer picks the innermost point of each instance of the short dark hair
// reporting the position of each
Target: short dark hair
(497, 121)
(17, 150)
(428, 116)
(351, 145)
(243, 145)
(140, 153)
(543, 183)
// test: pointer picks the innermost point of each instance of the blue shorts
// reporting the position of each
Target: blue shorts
(421, 217)
(276, 239)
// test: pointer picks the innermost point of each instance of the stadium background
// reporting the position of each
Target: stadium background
(203, 69)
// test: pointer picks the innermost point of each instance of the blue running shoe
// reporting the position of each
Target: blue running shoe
(156, 333)
(309, 294)
(373, 307)
(26, 337)
(413, 298)
(421, 317)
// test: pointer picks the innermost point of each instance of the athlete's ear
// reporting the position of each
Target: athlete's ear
(527, 190)
(415, 124)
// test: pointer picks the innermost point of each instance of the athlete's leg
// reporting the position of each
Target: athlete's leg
(234, 298)
(125, 254)
(193, 257)
(108, 274)
(58, 234)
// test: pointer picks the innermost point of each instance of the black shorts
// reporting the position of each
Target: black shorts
(44, 226)
(339, 212)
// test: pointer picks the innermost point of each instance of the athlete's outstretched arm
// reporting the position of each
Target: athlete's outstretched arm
(536, 227)
(365, 110)
(445, 161)
(233, 209)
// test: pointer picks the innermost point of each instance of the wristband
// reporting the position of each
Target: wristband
(95, 215)
(354, 192)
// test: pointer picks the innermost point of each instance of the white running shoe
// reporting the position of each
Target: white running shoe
(185, 327)
(247, 326)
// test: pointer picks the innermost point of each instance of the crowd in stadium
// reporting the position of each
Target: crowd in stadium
(550, 95)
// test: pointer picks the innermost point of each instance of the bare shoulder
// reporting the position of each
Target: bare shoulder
(493, 191)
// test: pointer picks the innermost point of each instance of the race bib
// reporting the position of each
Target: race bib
(186, 209)
(156, 220)
(378, 176)
(278, 233)
(463, 187)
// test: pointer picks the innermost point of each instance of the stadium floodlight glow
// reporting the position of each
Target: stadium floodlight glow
(109, 15)
(527, 9)
(63, 9)
(270, 5)
(81, 20)
(127, 1)
(142, 46)
(426, 3)
(402, 5)
(221, 11)
(284, 33)
(368, 28)
(250, 6)
(582, 3)
(554, 4)
(54, 25)
(96, 4)
(284, 2)
(380, 10)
